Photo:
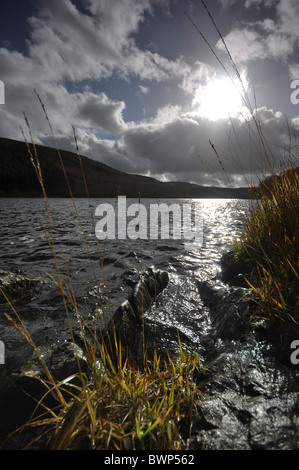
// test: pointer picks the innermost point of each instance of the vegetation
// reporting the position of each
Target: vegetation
(128, 408)
(269, 246)
(120, 406)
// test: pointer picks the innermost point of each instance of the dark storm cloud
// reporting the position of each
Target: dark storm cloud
(103, 113)
(188, 145)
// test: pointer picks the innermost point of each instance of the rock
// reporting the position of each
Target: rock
(251, 395)
(66, 360)
(145, 292)
(21, 391)
(230, 309)
(16, 285)
(127, 320)
(22, 377)
(229, 423)
(125, 326)
(233, 270)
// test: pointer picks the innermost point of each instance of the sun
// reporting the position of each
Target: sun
(219, 99)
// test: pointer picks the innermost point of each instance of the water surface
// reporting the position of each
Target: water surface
(26, 234)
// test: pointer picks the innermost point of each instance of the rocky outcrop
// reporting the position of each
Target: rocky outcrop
(251, 393)
(128, 320)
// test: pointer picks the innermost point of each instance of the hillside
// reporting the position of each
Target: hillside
(18, 179)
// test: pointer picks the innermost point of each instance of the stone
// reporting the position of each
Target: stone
(20, 392)
(16, 285)
(145, 292)
(66, 360)
(127, 323)
(230, 308)
(251, 394)
(233, 270)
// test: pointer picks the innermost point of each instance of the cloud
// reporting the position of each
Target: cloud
(178, 146)
(98, 111)
(196, 77)
(247, 44)
(288, 15)
(144, 89)
(294, 71)
(78, 46)
(268, 39)
(67, 46)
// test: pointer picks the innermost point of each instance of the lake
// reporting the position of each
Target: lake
(33, 242)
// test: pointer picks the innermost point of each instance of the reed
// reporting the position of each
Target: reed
(269, 245)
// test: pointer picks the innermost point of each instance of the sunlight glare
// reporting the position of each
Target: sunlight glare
(218, 99)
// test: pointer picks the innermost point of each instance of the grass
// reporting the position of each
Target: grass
(269, 246)
(123, 407)
(129, 409)
(119, 405)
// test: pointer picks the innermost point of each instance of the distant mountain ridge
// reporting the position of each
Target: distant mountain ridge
(18, 178)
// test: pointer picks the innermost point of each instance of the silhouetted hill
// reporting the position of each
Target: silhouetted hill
(267, 185)
(18, 178)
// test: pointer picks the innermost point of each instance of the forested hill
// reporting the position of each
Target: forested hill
(18, 178)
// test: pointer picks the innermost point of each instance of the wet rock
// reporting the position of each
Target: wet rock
(128, 318)
(230, 308)
(251, 395)
(20, 392)
(233, 270)
(226, 422)
(67, 359)
(125, 326)
(145, 292)
(16, 285)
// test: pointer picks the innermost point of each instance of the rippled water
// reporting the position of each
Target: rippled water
(24, 246)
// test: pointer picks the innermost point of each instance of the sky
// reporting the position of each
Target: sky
(179, 90)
